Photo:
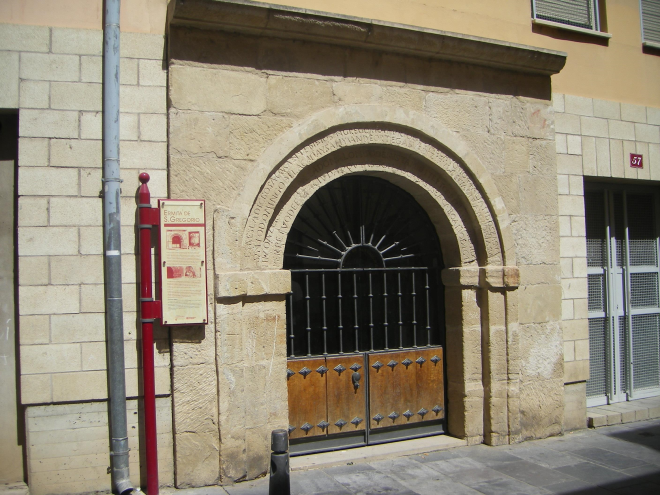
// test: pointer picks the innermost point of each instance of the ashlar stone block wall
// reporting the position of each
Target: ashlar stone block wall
(233, 96)
(594, 139)
(53, 76)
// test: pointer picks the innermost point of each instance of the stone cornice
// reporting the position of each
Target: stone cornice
(264, 19)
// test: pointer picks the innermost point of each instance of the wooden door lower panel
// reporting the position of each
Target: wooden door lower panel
(405, 387)
(346, 402)
(307, 397)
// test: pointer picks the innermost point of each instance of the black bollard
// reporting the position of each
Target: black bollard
(280, 483)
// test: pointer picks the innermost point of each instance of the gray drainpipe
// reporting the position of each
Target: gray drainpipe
(112, 256)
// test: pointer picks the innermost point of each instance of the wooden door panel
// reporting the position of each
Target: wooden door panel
(307, 397)
(409, 387)
(430, 384)
(346, 404)
(400, 394)
(386, 388)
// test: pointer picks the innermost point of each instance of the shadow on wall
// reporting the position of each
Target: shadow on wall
(274, 54)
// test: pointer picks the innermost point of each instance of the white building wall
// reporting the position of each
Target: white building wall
(594, 140)
(53, 76)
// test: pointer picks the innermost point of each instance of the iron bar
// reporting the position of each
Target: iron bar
(428, 310)
(628, 329)
(400, 315)
(371, 314)
(309, 328)
(291, 336)
(325, 326)
(356, 326)
(414, 311)
(385, 324)
(341, 326)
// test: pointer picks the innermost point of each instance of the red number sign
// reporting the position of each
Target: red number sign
(636, 161)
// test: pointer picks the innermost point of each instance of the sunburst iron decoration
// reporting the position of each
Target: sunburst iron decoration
(360, 222)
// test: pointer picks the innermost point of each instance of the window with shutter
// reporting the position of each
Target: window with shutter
(650, 13)
(581, 14)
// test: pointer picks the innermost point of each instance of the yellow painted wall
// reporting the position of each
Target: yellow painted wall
(618, 71)
(141, 16)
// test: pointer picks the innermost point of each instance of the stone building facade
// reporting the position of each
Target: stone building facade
(255, 108)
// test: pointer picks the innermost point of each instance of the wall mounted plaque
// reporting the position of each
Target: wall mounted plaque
(183, 261)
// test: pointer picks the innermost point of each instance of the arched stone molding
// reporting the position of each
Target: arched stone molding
(455, 236)
(361, 125)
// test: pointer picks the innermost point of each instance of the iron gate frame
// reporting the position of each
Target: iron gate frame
(368, 436)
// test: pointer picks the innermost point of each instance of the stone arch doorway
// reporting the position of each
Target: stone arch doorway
(443, 175)
(365, 318)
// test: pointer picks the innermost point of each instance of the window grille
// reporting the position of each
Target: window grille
(577, 13)
(650, 14)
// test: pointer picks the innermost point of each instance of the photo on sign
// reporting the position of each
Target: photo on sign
(177, 239)
(194, 240)
(181, 272)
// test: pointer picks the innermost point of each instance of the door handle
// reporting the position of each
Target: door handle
(356, 380)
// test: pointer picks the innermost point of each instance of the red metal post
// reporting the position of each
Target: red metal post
(149, 310)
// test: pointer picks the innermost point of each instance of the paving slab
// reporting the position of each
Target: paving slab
(623, 412)
(623, 459)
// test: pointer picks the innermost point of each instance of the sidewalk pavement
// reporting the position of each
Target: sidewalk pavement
(622, 459)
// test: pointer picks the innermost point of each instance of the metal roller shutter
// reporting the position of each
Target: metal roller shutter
(650, 10)
(578, 13)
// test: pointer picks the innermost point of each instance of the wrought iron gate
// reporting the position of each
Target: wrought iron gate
(623, 302)
(364, 334)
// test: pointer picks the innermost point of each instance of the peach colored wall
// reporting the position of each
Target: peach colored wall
(617, 71)
(141, 16)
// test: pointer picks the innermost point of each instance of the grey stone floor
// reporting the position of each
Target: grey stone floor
(622, 459)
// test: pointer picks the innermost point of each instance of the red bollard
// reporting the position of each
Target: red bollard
(149, 311)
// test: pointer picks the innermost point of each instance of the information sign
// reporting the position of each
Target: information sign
(183, 261)
(636, 161)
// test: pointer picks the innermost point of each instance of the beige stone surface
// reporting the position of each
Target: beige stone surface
(575, 406)
(81, 327)
(250, 135)
(77, 41)
(9, 80)
(49, 67)
(47, 181)
(24, 38)
(48, 299)
(576, 371)
(75, 96)
(38, 241)
(49, 123)
(633, 113)
(540, 303)
(53, 358)
(33, 152)
(153, 127)
(142, 99)
(294, 96)
(33, 270)
(243, 92)
(34, 94)
(76, 211)
(199, 132)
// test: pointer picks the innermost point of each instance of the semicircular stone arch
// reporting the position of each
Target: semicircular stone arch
(390, 127)
(425, 168)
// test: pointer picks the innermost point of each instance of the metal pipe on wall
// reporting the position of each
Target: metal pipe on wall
(112, 254)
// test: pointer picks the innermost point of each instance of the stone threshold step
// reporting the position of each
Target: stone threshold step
(623, 412)
(13, 489)
(375, 452)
